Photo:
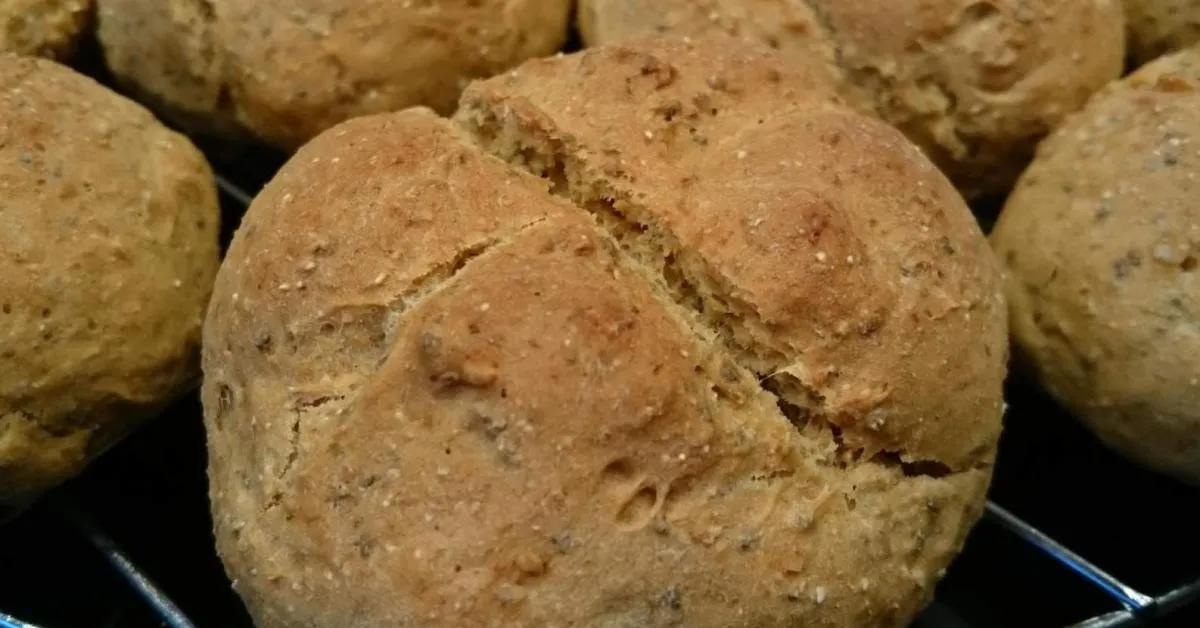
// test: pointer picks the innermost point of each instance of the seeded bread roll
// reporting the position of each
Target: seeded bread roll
(792, 28)
(109, 248)
(1160, 26)
(47, 28)
(733, 359)
(284, 71)
(974, 84)
(1100, 240)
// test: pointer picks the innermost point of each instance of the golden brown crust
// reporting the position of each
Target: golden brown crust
(1100, 240)
(975, 84)
(285, 71)
(989, 79)
(814, 266)
(438, 395)
(789, 27)
(45, 28)
(1157, 27)
(109, 249)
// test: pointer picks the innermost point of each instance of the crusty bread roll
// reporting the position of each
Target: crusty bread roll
(733, 360)
(975, 84)
(1100, 240)
(1160, 26)
(47, 28)
(284, 71)
(792, 28)
(109, 248)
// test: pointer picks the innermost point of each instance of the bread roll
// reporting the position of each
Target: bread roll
(792, 28)
(1160, 26)
(47, 28)
(284, 71)
(109, 248)
(733, 360)
(1100, 240)
(974, 84)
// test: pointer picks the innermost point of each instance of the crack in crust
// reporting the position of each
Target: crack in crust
(682, 280)
(438, 277)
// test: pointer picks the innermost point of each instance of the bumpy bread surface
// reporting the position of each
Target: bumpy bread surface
(1160, 26)
(974, 84)
(1101, 240)
(109, 249)
(734, 360)
(284, 71)
(792, 28)
(47, 28)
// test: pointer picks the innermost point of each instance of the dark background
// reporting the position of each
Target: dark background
(150, 495)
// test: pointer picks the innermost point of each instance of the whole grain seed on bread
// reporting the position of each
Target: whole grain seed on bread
(1101, 240)
(46, 28)
(653, 334)
(108, 247)
(792, 28)
(974, 84)
(284, 71)
(1161, 26)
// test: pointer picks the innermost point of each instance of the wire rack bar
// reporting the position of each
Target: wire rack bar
(234, 191)
(8, 621)
(1129, 597)
(171, 615)
(1173, 600)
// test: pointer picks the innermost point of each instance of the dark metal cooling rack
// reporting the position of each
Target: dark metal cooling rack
(1046, 457)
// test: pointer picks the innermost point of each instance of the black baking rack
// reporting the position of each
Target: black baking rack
(1048, 466)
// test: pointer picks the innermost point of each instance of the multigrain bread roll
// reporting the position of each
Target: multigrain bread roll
(47, 28)
(792, 28)
(974, 84)
(108, 249)
(284, 71)
(1100, 240)
(734, 359)
(1160, 26)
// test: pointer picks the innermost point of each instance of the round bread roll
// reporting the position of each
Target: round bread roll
(975, 84)
(283, 72)
(109, 250)
(792, 28)
(48, 28)
(1160, 26)
(733, 359)
(1100, 240)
